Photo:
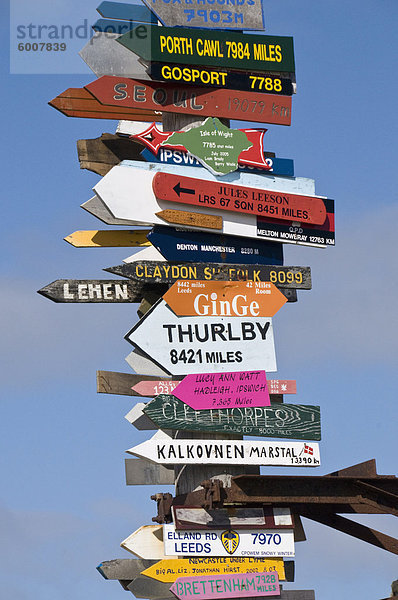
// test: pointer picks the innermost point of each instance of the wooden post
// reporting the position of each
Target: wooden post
(189, 477)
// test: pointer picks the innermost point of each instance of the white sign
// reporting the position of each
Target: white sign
(146, 542)
(168, 451)
(260, 543)
(127, 192)
(184, 345)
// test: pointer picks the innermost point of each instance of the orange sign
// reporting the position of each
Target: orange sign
(224, 298)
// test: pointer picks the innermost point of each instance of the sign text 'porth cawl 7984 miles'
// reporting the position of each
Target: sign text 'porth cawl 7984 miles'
(203, 344)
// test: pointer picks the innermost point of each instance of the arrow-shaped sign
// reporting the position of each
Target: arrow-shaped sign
(146, 542)
(96, 290)
(130, 12)
(165, 450)
(180, 217)
(226, 586)
(224, 298)
(127, 192)
(211, 48)
(152, 388)
(168, 570)
(164, 272)
(127, 93)
(202, 344)
(235, 198)
(290, 421)
(108, 238)
(234, 517)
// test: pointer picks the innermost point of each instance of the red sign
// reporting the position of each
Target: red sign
(168, 97)
(236, 198)
(282, 386)
(154, 139)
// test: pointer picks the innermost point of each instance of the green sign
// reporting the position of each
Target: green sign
(215, 145)
(211, 48)
(278, 420)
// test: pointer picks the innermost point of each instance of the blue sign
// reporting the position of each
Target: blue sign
(279, 166)
(132, 12)
(198, 246)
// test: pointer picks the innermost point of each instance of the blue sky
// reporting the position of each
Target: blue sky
(64, 504)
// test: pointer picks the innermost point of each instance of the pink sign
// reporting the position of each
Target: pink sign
(282, 386)
(150, 389)
(224, 390)
(239, 585)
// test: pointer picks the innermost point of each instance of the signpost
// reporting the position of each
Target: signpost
(96, 290)
(108, 239)
(177, 245)
(226, 586)
(267, 83)
(224, 390)
(164, 272)
(202, 344)
(211, 48)
(101, 154)
(219, 542)
(179, 217)
(185, 517)
(78, 102)
(213, 144)
(245, 15)
(224, 298)
(290, 421)
(165, 450)
(131, 12)
(110, 382)
(139, 208)
(275, 205)
(143, 472)
(128, 93)
(170, 569)
(142, 363)
(125, 568)
(146, 542)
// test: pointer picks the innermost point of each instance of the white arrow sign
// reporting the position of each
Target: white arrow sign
(184, 345)
(168, 451)
(146, 542)
(143, 365)
(104, 56)
(227, 542)
(127, 192)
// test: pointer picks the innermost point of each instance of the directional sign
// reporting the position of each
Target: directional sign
(277, 166)
(121, 10)
(154, 388)
(290, 421)
(116, 192)
(101, 154)
(185, 517)
(143, 472)
(224, 390)
(146, 542)
(228, 542)
(211, 48)
(224, 298)
(143, 364)
(108, 239)
(139, 419)
(104, 56)
(165, 450)
(125, 568)
(126, 93)
(282, 386)
(216, 146)
(247, 15)
(110, 382)
(267, 83)
(177, 245)
(235, 198)
(226, 586)
(179, 217)
(202, 344)
(164, 272)
(78, 102)
(170, 569)
(97, 290)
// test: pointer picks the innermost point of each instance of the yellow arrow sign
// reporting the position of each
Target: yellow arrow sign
(168, 570)
(109, 239)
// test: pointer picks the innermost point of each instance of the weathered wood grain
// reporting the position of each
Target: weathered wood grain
(142, 472)
(101, 154)
(97, 290)
(111, 382)
(182, 217)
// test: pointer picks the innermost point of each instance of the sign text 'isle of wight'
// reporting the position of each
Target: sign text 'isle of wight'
(227, 543)
(211, 48)
(169, 97)
(247, 14)
(224, 298)
(216, 146)
(203, 344)
(236, 198)
(219, 390)
(291, 421)
(226, 586)
(165, 450)
(169, 569)
(164, 272)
